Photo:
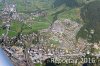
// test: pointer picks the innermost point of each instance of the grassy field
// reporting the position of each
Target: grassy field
(73, 14)
(2, 32)
(40, 22)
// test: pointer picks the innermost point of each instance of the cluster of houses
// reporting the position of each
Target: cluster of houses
(9, 12)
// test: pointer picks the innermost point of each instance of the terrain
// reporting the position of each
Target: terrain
(34, 30)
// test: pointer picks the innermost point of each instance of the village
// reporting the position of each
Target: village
(58, 41)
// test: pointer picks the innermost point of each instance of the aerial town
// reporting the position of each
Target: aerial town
(52, 35)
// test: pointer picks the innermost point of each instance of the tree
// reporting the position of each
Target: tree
(90, 14)
(69, 3)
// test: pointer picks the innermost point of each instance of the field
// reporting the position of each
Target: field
(39, 22)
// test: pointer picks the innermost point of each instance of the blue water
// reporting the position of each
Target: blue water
(4, 60)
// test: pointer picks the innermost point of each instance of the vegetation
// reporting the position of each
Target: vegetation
(56, 9)
(62, 9)
(1, 6)
(90, 14)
